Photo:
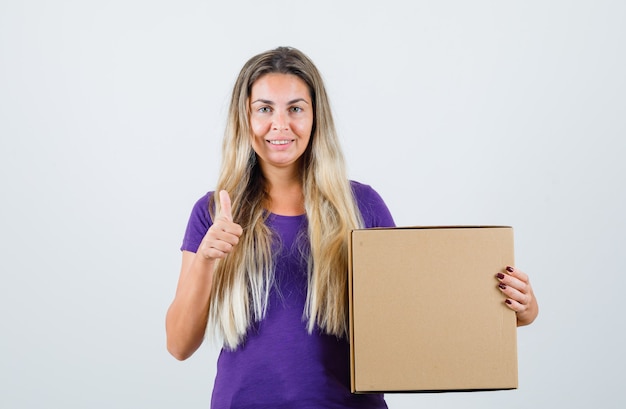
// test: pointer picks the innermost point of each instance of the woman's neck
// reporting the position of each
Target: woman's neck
(286, 196)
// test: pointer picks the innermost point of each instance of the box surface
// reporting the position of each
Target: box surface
(425, 310)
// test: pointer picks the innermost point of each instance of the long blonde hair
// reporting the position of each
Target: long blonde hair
(243, 280)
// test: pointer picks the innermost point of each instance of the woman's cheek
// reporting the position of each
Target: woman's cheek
(259, 128)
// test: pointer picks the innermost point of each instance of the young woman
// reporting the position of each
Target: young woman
(265, 260)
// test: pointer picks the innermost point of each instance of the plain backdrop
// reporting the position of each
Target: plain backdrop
(456, 112)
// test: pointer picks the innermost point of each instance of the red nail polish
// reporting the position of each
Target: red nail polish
(500, 276)
(502, 286)
(508, 301)
(509, 269)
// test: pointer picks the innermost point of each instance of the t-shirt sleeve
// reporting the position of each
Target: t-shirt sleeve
(373, 209)
(198, 225)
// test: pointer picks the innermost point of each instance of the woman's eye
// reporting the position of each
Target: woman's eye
(264, 109)
(296, 109)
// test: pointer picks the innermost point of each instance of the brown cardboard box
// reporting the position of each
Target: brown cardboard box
(425, 310)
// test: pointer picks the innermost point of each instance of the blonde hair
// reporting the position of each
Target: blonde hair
(243, 280)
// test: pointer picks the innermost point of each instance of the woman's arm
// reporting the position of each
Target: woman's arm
(186, 318)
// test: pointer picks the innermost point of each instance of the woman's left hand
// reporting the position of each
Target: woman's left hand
(515, 285)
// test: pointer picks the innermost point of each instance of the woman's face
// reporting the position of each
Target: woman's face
(281, 119)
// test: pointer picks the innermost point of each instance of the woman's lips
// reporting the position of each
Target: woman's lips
(280, 143)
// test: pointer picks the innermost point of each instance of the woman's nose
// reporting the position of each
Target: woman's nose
(280, 122)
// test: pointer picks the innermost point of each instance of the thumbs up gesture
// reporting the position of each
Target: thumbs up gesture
(223, 235)
(225, 206)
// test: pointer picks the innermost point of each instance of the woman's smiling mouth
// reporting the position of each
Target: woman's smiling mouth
(280, 141)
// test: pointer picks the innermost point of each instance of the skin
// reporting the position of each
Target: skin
(281, 109)
(515, 286)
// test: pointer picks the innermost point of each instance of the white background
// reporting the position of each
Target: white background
(457, 112)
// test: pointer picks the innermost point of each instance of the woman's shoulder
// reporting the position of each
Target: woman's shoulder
(198, 224)
(373, 209)
(361, 189)
(364, 193)
(203, 201)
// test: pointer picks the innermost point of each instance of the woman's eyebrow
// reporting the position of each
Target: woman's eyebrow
(293, 101)
(263, 101)
(268, 102)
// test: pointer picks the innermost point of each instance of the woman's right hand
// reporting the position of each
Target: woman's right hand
(223, 235)
(186, 318)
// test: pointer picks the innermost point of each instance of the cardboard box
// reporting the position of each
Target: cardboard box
(425, 310)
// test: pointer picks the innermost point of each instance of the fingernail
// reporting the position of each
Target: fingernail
(500, 276)
(502, 286)
(509, 269)
(508, 301)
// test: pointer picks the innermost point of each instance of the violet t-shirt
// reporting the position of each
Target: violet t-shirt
(279, 364)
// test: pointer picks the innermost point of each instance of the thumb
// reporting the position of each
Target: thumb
(225, 205)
